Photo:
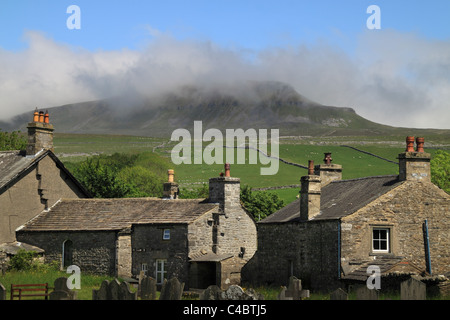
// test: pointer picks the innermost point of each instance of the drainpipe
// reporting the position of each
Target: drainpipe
(427, 245)
(339, 249)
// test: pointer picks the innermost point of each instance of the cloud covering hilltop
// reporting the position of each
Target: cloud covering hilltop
(392, 78)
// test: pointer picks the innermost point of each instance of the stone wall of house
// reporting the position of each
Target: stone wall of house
(39, 189)
(306, 250)
(148, 246)
(235, 229)
(93, 252)
(403, 210)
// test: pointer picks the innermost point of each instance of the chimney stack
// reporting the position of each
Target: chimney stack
(327, 171)
(40, 133)
(226, 191)
(170, 190)
(310, 194)
(414, 165)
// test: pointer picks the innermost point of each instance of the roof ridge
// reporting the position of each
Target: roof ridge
(365, 178)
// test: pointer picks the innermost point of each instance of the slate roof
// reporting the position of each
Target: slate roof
(340, 198)
(116, 214)
(15, 164)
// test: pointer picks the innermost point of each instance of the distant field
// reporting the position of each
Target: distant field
(71, 147)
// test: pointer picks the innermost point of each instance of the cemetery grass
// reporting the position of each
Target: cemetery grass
(88, 281)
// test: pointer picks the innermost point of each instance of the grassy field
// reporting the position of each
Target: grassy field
(72, 148)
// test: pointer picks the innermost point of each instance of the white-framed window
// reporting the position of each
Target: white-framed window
(161, 272)
(380, 239)
(144, 267)
(166, 234)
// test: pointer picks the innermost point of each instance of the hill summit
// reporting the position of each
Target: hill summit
(257, 105)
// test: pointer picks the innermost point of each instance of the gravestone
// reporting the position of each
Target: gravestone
(211, 293)
(171, 290)
(114, 290)
(364, 293)
(294, 291)
(61, 290)
(413, 289)
(102, 293)
(147, 288)
(2, 292)
(339, 294)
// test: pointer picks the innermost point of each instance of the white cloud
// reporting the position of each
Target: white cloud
(393, 78)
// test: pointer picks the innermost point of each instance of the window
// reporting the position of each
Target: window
(67, 253)
(380, 240)
(166, 234)
(144, 268)
(161, 272)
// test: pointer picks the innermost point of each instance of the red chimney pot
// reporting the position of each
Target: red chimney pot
(46, 120)
(420, 142)
(227, 170)
(409, 144)
(310, 167)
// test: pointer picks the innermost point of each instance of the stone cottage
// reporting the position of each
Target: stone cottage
(201, 241)
(32, 180)
(338, 228)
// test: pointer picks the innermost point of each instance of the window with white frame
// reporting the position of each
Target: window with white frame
(380, 239)
(161, 272)
(166, 234)
(144, 268)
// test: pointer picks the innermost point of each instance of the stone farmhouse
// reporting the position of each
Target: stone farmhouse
(338, 228)
(45, 209)
(200, 241)
(32, 180)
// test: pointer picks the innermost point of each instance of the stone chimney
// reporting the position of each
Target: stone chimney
(40, 133)
(170, 187)
(327, 171)
(310, 194)
(226, 191)
(414, 164)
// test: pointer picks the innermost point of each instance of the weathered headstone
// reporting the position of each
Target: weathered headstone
(102, 293)
(60, 286)
(211, 293)
(413, 289)
(171, 289)
(125, 292)
(147, 288)
(339, 294)
(364, 293)
(294, 291)
(2, 292)
(113, 291)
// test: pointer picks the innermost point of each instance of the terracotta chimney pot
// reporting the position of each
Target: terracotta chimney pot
(327, 159)
(46, 120)
(36, 116)
(170, 173)
(227, 170)
(310, 167)
(41, 116)
(409, 144)
(420, 142)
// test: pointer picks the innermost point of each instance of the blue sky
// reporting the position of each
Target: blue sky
(323, 48)
(110, 25)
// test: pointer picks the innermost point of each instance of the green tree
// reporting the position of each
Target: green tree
(440, 170)
(195, 193)
(12, 141)
(143, 182)
(260, 203)
(101, 181)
